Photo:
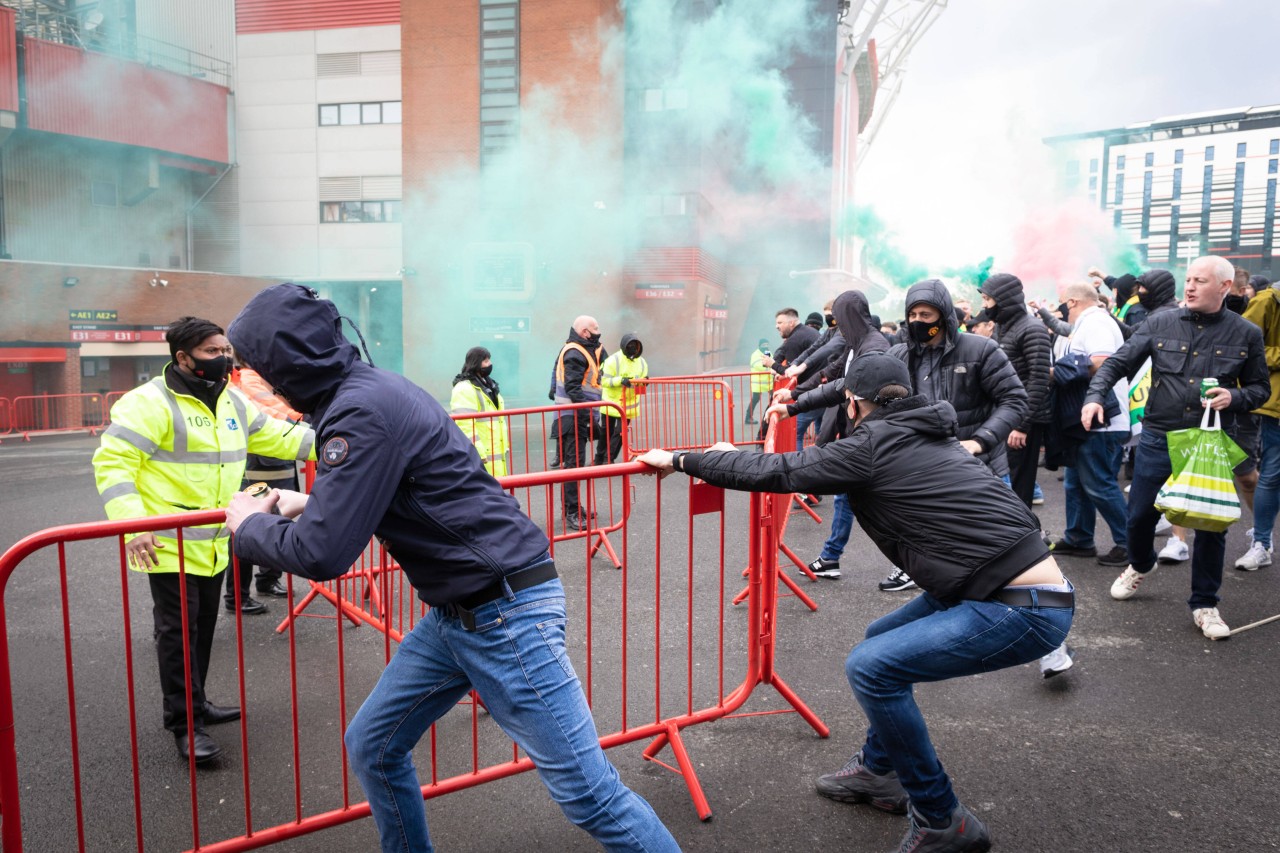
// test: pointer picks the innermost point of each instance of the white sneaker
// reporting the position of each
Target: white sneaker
(1255, 558)
(1210, 623)
(1174, 551)
(1163, 526)
(1057, 661)
(1127, 584)
(1127, 488)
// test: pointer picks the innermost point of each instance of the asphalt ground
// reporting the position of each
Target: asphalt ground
(1157, 740)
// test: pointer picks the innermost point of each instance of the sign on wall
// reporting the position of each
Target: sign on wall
(93, 315)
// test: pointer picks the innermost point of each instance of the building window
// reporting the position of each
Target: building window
(1093, 182)
(1149, 160)
(103, 194)
(369, 112)
(360, 211)
(1119, 196)
(1177, 184)
(1271, 166)
(1275, 146)
(499, 76)
(1146, 203)
(1240, 148)
(1237, 207)
(1177, 156)
(1119, 161)
(1206, 200)
(1093, 166)
(1208, 153)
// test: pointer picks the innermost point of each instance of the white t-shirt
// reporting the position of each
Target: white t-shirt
(1096, 333)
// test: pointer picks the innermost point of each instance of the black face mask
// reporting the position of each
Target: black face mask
(1235, 303)
(633, 350)
(210, 369)
(922, 332)
(831, 320)
(485, 371)
(594, 340)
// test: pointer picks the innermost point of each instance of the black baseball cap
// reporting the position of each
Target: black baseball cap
(869, 374)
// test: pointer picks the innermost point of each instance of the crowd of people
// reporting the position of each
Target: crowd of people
(1092, 385)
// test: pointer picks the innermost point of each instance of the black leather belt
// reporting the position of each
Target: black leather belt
(1035, 597)
(464, 610)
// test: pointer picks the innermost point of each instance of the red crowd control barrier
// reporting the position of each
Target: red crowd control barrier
(49, 413)
(6, 421)
(657, 645)
(682, 414)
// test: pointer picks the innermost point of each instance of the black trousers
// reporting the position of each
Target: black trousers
(611, 437)
(575, 431)
(1024, 463)
(267, 576)
(202, 617)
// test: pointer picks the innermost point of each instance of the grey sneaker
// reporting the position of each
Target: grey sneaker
(854, 783)
(965, 834)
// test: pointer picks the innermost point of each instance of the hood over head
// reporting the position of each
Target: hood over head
(1010, 297)
(294, 340)
(1161, 286)
(1259, 283)
(934, 293)
(1124, 287)
(853, 318)
(627, 340)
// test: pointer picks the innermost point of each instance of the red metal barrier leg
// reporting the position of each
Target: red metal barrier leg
(603, 542)
(801, 708)
(795, 589)
(672, 736)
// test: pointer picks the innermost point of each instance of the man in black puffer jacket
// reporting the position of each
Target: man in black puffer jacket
(993, 595)
(1157, 292)
(1025, 342)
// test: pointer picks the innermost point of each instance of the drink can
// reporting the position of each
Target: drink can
(258, 490)
(1205, 384)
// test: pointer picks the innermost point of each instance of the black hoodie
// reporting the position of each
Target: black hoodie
(1025, 342)
(971, 373)
(391, 463)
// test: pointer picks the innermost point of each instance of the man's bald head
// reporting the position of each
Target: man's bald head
(586, 326)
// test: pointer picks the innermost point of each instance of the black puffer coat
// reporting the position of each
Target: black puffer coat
(971, 373)
(1025, 342)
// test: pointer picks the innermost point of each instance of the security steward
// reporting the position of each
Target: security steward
(393, 465)
(761, 378)
(475, 390)
(577, 376)
(178, 443)
(619, 376)
(993, 595)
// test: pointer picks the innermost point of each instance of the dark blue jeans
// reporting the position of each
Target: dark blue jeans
(925, 641)
(1266, 499)
(803, 420)
(1151, 467)
(841, 527)
(1092, 487)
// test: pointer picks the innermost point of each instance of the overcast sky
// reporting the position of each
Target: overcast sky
(960, 163)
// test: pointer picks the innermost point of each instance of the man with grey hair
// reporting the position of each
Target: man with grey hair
(1090, 481)
(1202, 340)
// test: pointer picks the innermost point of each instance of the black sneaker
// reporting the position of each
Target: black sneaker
(964, 834)
(854, 783)
(825, 568)
(1117, 556)
(897, 581)
(1063, 548)
(811, 500)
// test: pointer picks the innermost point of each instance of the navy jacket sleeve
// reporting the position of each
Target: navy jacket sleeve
(347, 502)
(1001, 383)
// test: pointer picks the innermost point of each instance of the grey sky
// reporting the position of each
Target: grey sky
(960, 162)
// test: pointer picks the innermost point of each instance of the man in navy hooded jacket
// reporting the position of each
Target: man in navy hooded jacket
(392, 464)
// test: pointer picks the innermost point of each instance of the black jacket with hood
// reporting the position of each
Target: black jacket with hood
(1025, 342)
(830, 344)
(862, 336)
(390, 464)
(789, 351)
(971, 373)
(927, 504)
(1158, 293)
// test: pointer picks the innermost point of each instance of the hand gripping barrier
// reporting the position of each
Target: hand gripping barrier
(657, 647)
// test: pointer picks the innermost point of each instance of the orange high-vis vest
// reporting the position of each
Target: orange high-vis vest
(590, 379)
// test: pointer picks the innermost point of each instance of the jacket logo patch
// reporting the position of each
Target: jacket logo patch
(232, 425)
(335, 451)
(962, 369)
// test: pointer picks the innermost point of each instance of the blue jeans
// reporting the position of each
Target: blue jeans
(803, 420)
(1151, 467)
(1266, 499)
(515, 659)
(841, 527)
(925, 641)
(1092, 487)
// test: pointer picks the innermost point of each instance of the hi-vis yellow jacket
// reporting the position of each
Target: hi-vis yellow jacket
(165, 452)
(616, 368)
(489, 435)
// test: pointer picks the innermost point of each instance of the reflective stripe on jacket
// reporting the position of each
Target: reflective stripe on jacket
(165, 453)
(489, 435)
(616, 368)
(590, 377)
